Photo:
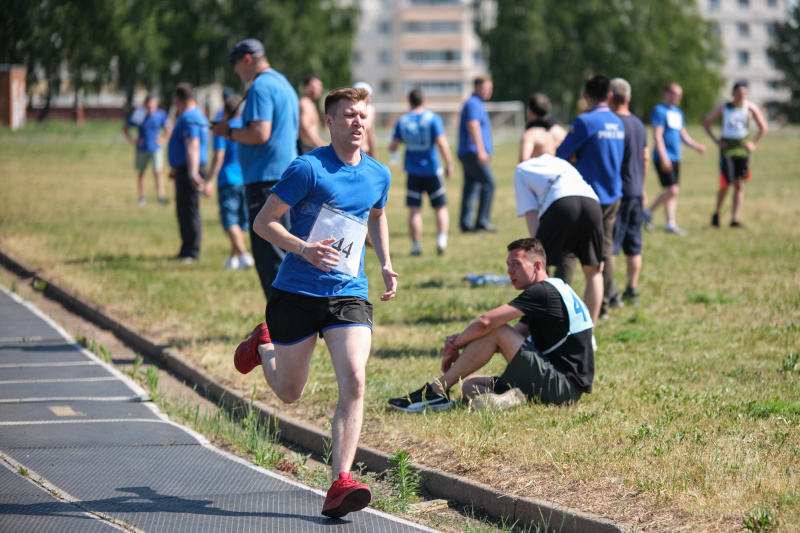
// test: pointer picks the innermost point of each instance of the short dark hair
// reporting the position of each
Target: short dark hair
(530, 246)
(184, 92)
(539, 104)
(232, 105)
(597, 87)
(344, 93)
(308, 79)
(670, 87)
(480, 80)
(415, 97)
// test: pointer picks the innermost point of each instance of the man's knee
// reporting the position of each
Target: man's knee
(289, 392)
(354, 387)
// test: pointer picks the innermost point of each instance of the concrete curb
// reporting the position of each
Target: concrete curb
(436, 482)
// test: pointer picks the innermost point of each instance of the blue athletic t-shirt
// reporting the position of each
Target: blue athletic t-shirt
(671, 119)
(271, 98)
(419, 131)
(474, 110)
(190, 125)
(320, 177)
(598, 138)
(149, 127)
(632, 162)
(231, 171)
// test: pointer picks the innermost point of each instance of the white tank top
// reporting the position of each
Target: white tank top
(735, 121)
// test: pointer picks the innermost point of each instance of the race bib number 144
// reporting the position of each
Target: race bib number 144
(349, 233)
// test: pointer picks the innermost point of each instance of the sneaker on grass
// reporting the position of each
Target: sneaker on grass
(499, 402)
(346, 495)
(421, 400)
(246, 261)
(247, 357)
(232, 263)
(648, 220)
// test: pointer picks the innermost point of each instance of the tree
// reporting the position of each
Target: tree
(553, 46)
(785, 52)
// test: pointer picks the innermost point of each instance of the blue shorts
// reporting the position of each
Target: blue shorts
(433, 185)
(628, 227)
(232, 207)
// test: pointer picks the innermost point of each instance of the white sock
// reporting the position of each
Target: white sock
(441, 240)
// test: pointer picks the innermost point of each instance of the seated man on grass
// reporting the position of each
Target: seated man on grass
(549, 350)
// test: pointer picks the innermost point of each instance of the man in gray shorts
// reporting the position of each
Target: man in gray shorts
(549, 351)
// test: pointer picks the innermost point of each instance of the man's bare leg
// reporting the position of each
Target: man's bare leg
(634, 268)
(738, 198)
(286, 367)
(349, 348)
(593, 294)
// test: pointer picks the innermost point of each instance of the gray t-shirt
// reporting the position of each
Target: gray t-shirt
(632, 164)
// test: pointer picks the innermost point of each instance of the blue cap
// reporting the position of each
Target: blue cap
(248, 46)
(227, 92)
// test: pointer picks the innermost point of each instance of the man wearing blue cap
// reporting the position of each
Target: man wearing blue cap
(267, 142)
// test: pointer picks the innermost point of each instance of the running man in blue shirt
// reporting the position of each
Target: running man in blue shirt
(422, 131)
(336, 195)
(596, 146)
(669, 132)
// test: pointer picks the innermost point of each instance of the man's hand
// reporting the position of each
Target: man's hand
(450, 353)
(483, 157)
(321, 255)
(448, 171)
(198, 183)
(701, 148)
(220, 129)
(722, 144)
(750, 145)
(644, 198)
(390, 280)
(665, 165)
(209, 188)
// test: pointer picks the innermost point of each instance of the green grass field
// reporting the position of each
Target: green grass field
(695, 419)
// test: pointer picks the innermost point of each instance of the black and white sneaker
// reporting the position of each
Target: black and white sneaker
(421, 400)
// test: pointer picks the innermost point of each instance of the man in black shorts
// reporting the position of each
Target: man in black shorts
(549, 351)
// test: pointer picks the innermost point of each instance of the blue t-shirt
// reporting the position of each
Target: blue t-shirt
(598, 139)
(632, 162)
(231, 171)
(149, 127)
(671, 119)
(191, 124)
(419, 132)
(271, 98)
(316, 178)
(474, 110)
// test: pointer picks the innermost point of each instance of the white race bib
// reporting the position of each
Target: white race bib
(674, 120)
(349, 233)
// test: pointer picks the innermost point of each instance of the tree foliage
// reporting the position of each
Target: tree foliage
(159, 43)
(553, 46)
(785, 52)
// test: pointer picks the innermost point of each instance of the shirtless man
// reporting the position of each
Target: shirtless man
(308, 137)
(542, 135)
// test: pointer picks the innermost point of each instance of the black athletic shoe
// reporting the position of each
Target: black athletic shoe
(615, 302)
(421, 400)
(736, 224)
(715, 220)
(631, 296)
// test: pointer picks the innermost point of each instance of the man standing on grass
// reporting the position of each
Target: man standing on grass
(549, 350)
(735, 149)
(267, 143)
(422, 131)
(154, 129)
(474, 150)
(336, 195)
(596, 144)
(188, 153)
(669, 133)
(309, 138)
(628, 227)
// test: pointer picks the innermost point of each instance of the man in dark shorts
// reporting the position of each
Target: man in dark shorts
(562, 211)
(336, 195)
(628, 226)
(549, 351)
(735, 148)
(422, 131)
(669, 133)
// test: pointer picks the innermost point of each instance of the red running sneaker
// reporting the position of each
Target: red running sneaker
(346, 496)
(247, 356)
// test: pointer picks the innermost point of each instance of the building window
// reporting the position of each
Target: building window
(744, 4)
(385, 27)
(743, 58)
(432, 26)
(715, 29)
(477, 57)
(434, 2)
(770, 27)
(385, 57)
(355, 57)
(436, 57)
(772, 85)
(770, 61)
(772, 3)
(385, 87)
(713, 5)
(435, 87)
(743, 29)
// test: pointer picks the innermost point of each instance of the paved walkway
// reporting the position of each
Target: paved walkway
(106, 459)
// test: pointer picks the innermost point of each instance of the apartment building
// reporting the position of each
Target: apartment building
(431, 44)
(745, 28)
